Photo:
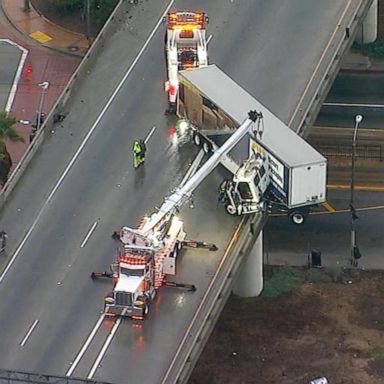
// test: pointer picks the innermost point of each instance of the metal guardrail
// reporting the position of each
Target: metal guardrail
(205, 318)
(363, 151)
(11, 377)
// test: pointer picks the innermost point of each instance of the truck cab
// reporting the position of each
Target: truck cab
(185, 47)
(245, 192)
(134, 284)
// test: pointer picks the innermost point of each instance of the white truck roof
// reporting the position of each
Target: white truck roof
(277, 138)
(128, 283)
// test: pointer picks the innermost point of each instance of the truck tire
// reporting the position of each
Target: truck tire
(207, 147)
(153, 293)
(196, 138)
(231, 209)
(145, 311)
(298, 217)
(175, 251)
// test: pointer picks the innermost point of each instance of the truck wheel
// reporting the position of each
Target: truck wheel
(298, 218)
(207, 147)
(197, 139)
(231, 209)
(145, 311)
(153, 293)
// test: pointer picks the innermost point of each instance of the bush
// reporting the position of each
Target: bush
(375, 49)
(100, 9)
(284, 280)
(68, 5)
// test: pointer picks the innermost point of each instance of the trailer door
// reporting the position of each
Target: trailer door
(308, 184)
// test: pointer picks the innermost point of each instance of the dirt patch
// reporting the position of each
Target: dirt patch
(323, 328)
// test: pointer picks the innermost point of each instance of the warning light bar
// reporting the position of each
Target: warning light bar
(186, 20)
(132, 260)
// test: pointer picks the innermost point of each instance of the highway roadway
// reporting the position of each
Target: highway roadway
(352, 94)
(81, 186)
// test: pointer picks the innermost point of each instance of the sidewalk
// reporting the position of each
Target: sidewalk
(357, 62)
(43, 31)
(54, 66)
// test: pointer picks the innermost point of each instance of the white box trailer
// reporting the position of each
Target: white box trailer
(213, 102)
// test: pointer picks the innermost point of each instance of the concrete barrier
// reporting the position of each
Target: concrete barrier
(59, 107)
(326, 71)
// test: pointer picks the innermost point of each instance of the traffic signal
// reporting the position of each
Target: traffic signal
(28, 69)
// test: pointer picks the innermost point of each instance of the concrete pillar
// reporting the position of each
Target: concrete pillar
(250, 280)
(367, 31)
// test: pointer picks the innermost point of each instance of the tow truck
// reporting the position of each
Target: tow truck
(149, 252)
(185, 48)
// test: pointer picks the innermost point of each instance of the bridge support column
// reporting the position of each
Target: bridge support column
(367, 31)
(249, 283)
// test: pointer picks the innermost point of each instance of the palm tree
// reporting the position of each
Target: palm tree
(7, 131)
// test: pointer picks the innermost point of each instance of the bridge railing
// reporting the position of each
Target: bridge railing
(12, 377)
(363, 151)
(213, 301)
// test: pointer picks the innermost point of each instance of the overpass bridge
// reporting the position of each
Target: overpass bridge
(80, 178)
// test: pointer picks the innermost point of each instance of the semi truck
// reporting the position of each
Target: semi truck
(185, 47)
(212, 104)
(148, 253)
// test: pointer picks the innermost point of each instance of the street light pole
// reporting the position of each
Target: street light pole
(355, 252)
(44, 85)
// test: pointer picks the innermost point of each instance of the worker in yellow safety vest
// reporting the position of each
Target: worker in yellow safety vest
(139, 150)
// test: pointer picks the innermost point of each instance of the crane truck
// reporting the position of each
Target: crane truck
(148, 253)
(185, 48)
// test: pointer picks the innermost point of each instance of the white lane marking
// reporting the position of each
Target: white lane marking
(358, 105)
(82, 145)
(209, 39)
(89, 234)
(105, 347)
(337, 28)
(150, 134)
(16, 79)
(33, 326)
(85, 346)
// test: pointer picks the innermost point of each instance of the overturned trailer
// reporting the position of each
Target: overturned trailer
(213, 103)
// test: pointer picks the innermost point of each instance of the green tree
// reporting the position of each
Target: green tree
(7, 131)
(99, 9)
(69, 5)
